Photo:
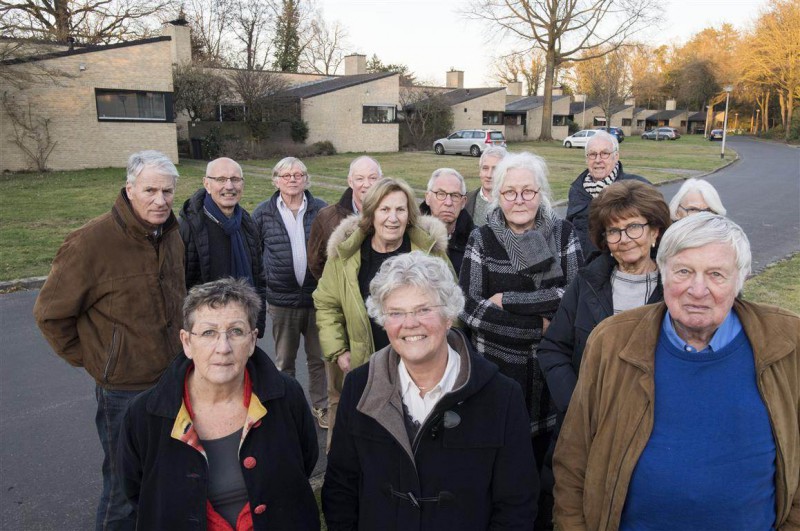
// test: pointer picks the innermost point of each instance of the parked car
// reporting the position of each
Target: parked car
(662, 133)
(715, 134)
(616, 131)
(579, 139)
(472, 141)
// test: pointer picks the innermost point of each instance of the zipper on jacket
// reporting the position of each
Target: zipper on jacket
(622, 462)
(113, 355)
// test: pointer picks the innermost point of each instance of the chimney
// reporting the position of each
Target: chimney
(630, 101)
(181, 45)
(514, 88)
(558, 90)
(579, 98)
(455, 79)
(355, 64)
(671, 105)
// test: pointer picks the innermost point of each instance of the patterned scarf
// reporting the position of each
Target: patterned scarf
(240, 260)
(595, 187)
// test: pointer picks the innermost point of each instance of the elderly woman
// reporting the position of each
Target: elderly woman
(602, 169)
(224, 441)
(390, 224)
(429, 435)
(626, 223)
(686, 412)
(693, 197)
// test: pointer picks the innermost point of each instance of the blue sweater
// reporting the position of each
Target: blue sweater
(710, 461)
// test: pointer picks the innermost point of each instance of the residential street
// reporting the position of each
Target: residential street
(49, 451)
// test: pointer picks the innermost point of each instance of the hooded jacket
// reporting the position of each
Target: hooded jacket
(341, 314)
(112, 303)
(470, 466)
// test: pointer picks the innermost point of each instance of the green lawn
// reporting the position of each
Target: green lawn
(778, 284)
(38, 210)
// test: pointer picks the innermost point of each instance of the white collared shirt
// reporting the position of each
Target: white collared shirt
(297, 236)
(419, 407)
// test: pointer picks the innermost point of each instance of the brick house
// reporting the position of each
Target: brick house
(523, 118)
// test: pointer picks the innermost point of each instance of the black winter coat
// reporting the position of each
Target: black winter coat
(166, 480)
(578, 207)
(587, 301)
(197, 260)
(281, 284)
(457, 243)
(470, 467)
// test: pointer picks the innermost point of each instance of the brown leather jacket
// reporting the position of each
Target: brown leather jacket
(113, 300)
(324, 224)
(610, 417)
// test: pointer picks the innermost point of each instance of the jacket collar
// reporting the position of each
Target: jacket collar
(464, 224)
(122, 213)
(346, 201)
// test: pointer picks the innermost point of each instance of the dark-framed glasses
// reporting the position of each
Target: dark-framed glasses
(397, 317)
(441, 195)
(694, 210)
(527, 194)
(634, 231)
(223, 180)
(289, 176)
(592, 155)
(233, 335)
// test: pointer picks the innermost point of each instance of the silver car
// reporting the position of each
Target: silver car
(472, 141)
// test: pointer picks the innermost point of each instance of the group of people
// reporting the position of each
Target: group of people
(478, 361)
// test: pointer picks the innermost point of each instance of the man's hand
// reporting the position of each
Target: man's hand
(344, 361)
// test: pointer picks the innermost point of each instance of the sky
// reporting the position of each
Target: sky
(433, 36)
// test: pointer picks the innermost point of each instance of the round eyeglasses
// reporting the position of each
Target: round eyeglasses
(527, 195)
(634, 231)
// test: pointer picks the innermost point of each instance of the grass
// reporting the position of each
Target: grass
(778, 284)
(37, 210)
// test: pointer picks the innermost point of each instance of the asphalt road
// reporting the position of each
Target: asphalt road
(50, 456)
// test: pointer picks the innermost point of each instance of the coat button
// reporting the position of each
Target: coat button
(260, 509)
(249, 462)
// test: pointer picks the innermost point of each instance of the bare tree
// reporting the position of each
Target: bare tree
(605, 80)
(198, 90)
(529, 66)
(324, 52)
(210, 22)
(85, 21)
(252, 25)
(567, 30)
(427, 116)
(31, 134)
(263, 95)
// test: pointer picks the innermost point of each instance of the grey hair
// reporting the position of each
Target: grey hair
(494, 151)
(420, 270)
(522, 161)
(603, 135)
(447, 171)
(704, 229)
(219, 294)
(150, 158)
(214, 162)
(705, 189)
(287, 163)
(361, 159)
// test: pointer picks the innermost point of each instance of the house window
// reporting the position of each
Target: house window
(639, 123)
(492, 118)
(626, 122)
(379, 114)
(599, 120)
(133, 106)
(230, 113)
(560, 119)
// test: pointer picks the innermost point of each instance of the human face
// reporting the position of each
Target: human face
(692, 203)
(221, 362)
(632, 255)
(151, 197)
(420, 342)
(228, 194)
(363, 176)
(599, 168)
(520, 214)
(391, 219)
(699, 288)
(448, 209)
(487, 166)
(292, 187)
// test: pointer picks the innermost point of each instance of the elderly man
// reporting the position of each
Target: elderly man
(112, 304)
(364, 171)
(603, 168)
(220, 237)
(284, 223)
(445, 199)
(478, 200)
(685, 415)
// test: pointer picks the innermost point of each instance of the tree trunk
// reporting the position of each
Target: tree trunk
(62, 28)
(547, 108)
(789, 106)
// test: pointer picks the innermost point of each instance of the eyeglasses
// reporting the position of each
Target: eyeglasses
(442, 195)
(233, 335)
(288, 176)
(223, 180)
(420, 313)
(694, 210)
(634, 231)
(527, 194)
(592, 155)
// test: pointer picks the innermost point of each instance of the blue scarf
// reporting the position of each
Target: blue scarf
(240, 261)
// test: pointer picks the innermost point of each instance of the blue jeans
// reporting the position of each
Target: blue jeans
(114, 511)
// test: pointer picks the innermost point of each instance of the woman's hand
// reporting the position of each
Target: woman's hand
(545, 324)
(497, 299)
(343, 361)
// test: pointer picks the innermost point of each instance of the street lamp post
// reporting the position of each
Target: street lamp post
(736, 121)
(728, 90)
(758, 124)
(583, 126)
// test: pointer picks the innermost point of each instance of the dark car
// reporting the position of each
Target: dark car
(616, 131)
(715, 134)
(662, 133)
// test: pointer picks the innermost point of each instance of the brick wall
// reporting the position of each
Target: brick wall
(469, 114)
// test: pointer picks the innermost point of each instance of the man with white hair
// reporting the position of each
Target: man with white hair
(603, 168)
(444, 199)
(112, 304)
(689, 409)
(478, 200)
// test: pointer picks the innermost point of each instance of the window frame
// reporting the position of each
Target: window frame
(393, 119)
(169, 115)
(498, 115)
